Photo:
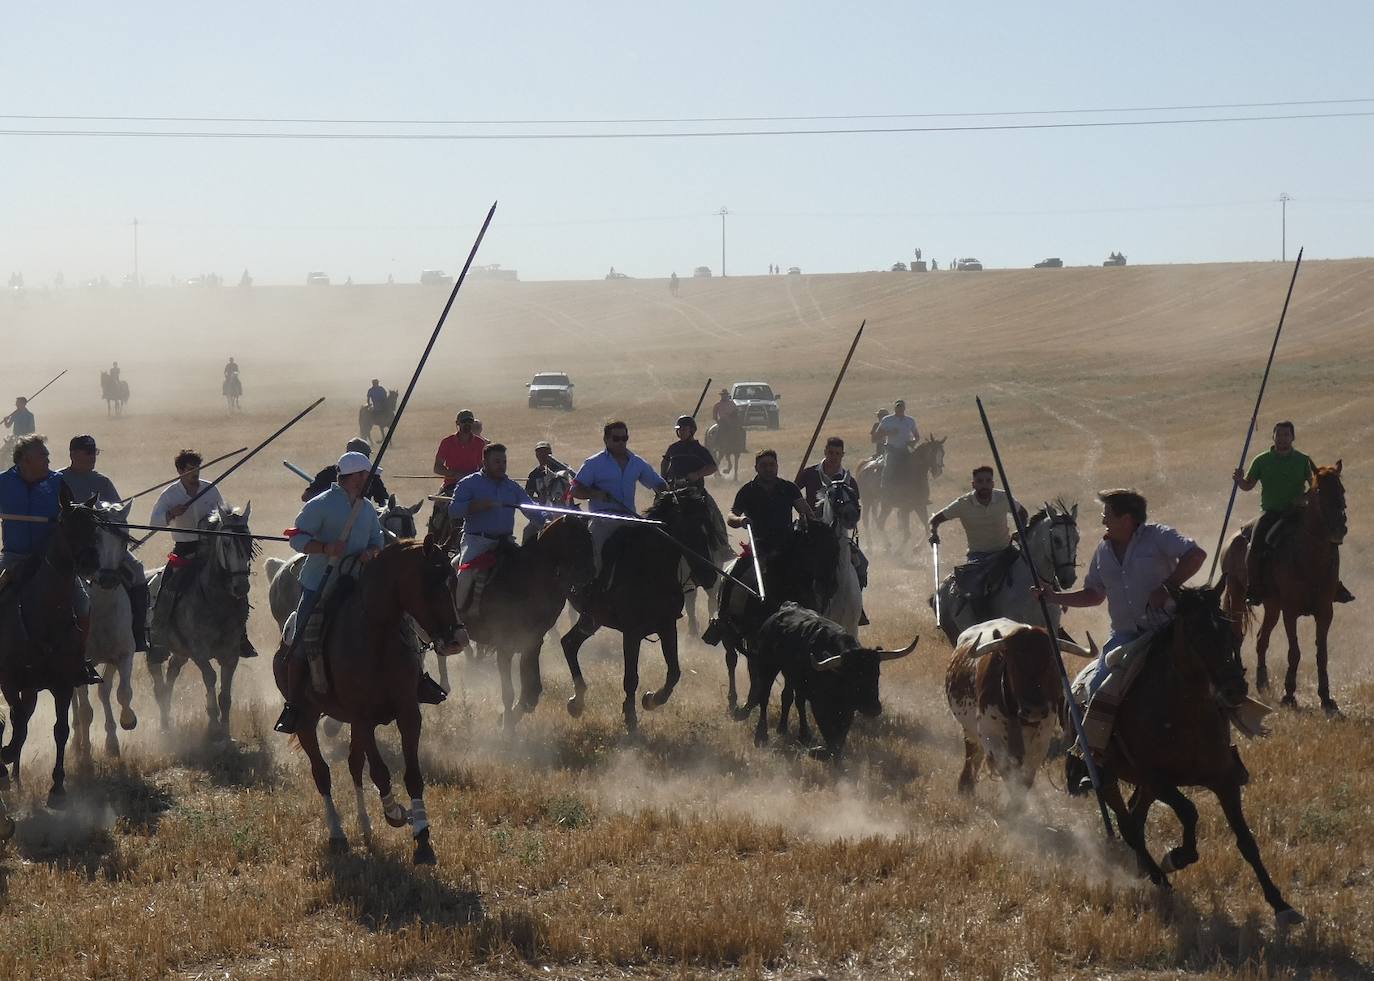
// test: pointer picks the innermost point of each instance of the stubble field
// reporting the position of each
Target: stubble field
(571, 850)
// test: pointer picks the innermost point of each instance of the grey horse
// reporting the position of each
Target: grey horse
(110, 641)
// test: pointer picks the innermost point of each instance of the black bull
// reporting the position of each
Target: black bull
(826, 668)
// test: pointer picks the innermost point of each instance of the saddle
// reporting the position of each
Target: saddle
(488, 566)
(982, 580)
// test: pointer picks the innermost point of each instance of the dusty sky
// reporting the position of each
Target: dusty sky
(572, 208)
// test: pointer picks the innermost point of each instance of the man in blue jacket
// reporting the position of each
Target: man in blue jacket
(485, 502)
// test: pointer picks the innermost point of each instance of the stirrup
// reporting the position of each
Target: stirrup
(92, 677)
(429, 691)
(1343, 595)
(246, 648)
(287, 721)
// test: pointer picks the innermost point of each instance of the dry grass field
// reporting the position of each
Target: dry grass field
(570, 850)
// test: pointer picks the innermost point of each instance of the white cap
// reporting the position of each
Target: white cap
(354, 462)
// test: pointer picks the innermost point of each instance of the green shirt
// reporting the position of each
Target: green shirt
(1283, 478)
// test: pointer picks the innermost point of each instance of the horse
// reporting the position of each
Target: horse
(843, 600)
(374, 672)
(1172, 730)
(380, 417)
(644, 597)
(1052, 542)
(40, 640)
(521, 603)
(232, 389)
(1303, 574)
(900, 481)
(727, 443)
(207, 622)
(115, 391)
(110, 640)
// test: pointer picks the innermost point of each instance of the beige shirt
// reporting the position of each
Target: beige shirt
(985, 525)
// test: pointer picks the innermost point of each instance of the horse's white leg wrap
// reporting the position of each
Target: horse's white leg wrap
(364, 825)
(331, 820)
(418, 820)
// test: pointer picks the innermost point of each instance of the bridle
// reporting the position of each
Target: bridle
(1064, 558)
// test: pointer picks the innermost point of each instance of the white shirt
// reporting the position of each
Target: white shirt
(176, 495)
(898, 430)
(1151, 557)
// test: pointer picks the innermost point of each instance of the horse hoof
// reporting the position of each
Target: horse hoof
(1332, 710)
(1262, 680)
(338, 846)
(57, 799)
(1177, 859)
(424, 852)
(648, 702)
(760, 739)
(1288, 701)
(1288, 917)
(112, 748)
(631, 722)
(397, 818)
(575, 706)
(8, 754)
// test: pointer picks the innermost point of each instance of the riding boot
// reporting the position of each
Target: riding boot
(246, 648)
(160, 623)
(1254, 567)
(138, 609)
(1343, 595)
(429, 691)
(290, 715)
(86, 673)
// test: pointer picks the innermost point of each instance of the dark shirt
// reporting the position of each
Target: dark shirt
(536, 482)
(376, 490)
(682, 458)
(812, 481)
(769, 511)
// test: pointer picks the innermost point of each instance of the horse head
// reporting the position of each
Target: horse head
(75, 540)
(1330, 498)
(417, 578)
(1203, 632)
(567, 543)
(233, 551)
(931, 455)
(839, 506)
(112, 542)
(1053, 542)
(397, 520)
(688, 522)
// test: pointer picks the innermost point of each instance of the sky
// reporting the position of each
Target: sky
(572, 208)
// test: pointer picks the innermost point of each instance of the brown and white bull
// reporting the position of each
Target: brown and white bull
(1005, 689)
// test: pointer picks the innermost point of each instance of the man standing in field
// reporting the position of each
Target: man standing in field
(1285, 476)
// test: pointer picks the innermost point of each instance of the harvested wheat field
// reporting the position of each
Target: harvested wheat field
(569, 849)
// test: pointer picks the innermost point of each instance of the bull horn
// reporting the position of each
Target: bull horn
(830, 663)
(894, 655)
(1079, 649)
(988, 646)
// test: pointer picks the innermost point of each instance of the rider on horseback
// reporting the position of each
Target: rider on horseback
(376, 396)
(30, 489)
(318, 534)
(459, 454)
(376, 490)
(686, 463)
(540, 480)
(83, 480)
(876, 436)
(21, 420)
(725, 412)
(816, 480)
(607, 482)
(1284, 475)
(486, 503)
(984, 513)
(898, 431)
(765, 505)
(174, 507)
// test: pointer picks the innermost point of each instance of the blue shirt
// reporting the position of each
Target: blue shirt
(497, 522)
(42, 500)
(1151, 557)
(322, 520)
(376, 395)
(605, 474)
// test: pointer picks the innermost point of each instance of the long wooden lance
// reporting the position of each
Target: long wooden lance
(702, 397)
(40, 519)
(35, 395)
(1074, 715)
(173, 480)
(1254, 418)
(806, 457)
(401, 408)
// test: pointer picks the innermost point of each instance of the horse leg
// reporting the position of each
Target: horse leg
(61, 729)
(731, 661)
(22, 704)
(531, 684)
(1132, 827)
(319, 769)
(1266, 628)
(656, 699)
(226, 693)
(1186, 853)
(207, 675)
(357, 756)
(125, 693)
(394, 813)
(1229, 796)
(1323, 619)
(443, 669)
(760, 691)
(572, 643)
(689, 606)
(106, 683)
(1290, 680)
(83, 715)
(629, 646)
(503, 659)
(788, 694)
(803, 727)
(408, 721)
(174, 666)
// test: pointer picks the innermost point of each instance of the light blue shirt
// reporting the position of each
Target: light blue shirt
(605, 474)
(322, 520)
(497, 522)
(1151, 557)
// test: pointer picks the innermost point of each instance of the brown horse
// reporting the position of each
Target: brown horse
(1303, 574)
(900, 482)
(644, 597)
(1172, 730)
(42, 647)
(522, 602)
(374, 675)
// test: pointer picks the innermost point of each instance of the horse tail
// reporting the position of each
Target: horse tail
(1234, 568)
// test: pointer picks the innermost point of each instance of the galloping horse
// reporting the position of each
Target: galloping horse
(207, 622)
(232, 389)
(1053, 545)
(380, 417)
(727, 442)
(1172, 730)
(644, 598)
(901, 482)
(110, 640)
(1302, 582)
(374, 672)
(115, 393)
(522, 602)
(40, 642)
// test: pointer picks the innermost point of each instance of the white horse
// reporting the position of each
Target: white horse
(1053, 549)
(840, 510)
(110, 640)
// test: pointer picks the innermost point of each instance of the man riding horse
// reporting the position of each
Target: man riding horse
(984, 512)
(376, 490)
(459, 454)
(765, 506)
(1285, 476)
(485, 502)
(182, 506)
(606, 481)
(816, 480)
(686, 463)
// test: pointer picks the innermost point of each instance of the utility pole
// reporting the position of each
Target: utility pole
(723, 212)
(137, 281)
(1283, 202)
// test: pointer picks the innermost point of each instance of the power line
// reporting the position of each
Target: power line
(329, 121)
(666, 135)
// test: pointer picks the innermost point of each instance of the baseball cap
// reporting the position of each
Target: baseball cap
(83, 442)
(360, 445)
(543, 444)
(465, 416)
(352, 462)
(686, 421)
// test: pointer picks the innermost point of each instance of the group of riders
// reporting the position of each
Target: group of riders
(1135, 570)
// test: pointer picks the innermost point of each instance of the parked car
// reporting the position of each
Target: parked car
(899, 267)
(969, 265)
(758, 404)
(1115, 259)
(794, 270)
(1055, 263)
(435, 277)
(701, 272)
(551, 388)
(316, 279)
